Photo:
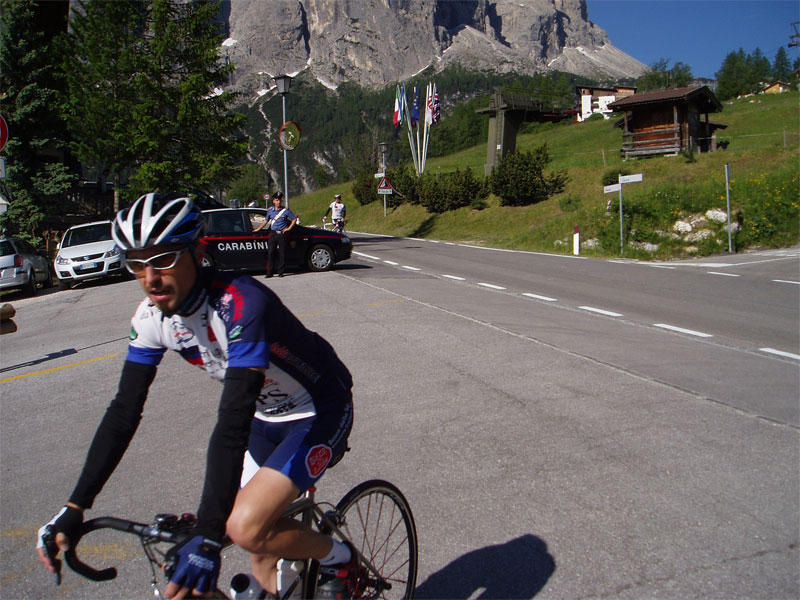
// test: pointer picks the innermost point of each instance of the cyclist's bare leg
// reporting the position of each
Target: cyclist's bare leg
(256, 525)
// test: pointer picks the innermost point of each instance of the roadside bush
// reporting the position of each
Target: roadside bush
(365, 187)
(449, 191)
(611, 176)
(404, 183)
(519, 178)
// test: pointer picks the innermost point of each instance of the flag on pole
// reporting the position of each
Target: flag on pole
(415, 108)
(429, 105)
(436, 114)
(398, 109)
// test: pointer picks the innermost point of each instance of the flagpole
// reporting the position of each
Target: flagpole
(410, 136)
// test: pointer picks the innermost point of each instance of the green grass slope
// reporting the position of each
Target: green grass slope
(763, 155)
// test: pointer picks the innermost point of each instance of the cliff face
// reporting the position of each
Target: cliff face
(377, 42)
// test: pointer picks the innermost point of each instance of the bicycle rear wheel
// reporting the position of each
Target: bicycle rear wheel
(377, 519)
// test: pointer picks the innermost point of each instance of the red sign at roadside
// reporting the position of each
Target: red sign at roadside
(3, 132)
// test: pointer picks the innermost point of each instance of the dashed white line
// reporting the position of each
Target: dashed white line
(456, 277)
(682, 330)
(492, 286)
(780, 353)
(411, 268)
(600, 311)
(538, 297)
(786, 281)
(365, 255)
(391, 262)
(660, 267)
(725, 274)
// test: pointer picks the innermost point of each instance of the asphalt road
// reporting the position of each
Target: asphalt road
(547, 449)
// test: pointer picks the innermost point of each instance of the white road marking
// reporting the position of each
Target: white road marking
(600, 311)
(786, 281)
(660, 267)
(725, 274)
(781, 353)
(494, 287)
(391, 262)
(365, 255)
(411, 268)
(454, 277)
(538, 297)
(682, 330)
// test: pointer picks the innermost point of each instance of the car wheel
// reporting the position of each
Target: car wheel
(320, 258)
(30, 287)
(65, 284)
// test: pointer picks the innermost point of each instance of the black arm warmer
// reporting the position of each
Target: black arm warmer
(226, 449)
(114, 432)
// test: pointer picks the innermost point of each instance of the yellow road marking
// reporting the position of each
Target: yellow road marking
(386, 302)
(69, 366)
(307, 315)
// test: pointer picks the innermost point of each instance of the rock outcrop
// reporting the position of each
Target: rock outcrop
(377, 42)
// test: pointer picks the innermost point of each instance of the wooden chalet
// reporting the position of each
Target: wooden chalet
(668, 121)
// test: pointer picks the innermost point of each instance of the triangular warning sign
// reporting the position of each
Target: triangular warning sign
(384, 184)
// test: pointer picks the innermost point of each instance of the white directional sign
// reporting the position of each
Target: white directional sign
(630, 178)
(608, 189)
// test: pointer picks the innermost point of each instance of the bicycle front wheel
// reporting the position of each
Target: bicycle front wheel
(377, 519)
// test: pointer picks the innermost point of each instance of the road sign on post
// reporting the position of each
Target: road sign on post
(617, 187)
(384, 187)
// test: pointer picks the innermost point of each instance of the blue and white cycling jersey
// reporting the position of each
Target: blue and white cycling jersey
(242, 323)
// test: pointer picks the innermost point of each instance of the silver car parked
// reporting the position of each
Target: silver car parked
(22, 266)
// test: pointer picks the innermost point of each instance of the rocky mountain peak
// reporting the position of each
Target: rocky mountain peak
(377, 42)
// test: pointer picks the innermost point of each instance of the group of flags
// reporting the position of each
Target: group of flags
(411, 117)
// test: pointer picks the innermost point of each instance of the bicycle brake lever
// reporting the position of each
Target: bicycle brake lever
(50, 547)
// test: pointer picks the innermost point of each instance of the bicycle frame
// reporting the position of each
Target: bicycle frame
(171, 530)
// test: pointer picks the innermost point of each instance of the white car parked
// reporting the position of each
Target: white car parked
(87, 252)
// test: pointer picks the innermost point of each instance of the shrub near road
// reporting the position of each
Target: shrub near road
(762, 153)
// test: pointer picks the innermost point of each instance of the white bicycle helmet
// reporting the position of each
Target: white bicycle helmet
(158, 219)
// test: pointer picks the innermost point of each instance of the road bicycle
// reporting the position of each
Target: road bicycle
(336, 225)
(374, 517)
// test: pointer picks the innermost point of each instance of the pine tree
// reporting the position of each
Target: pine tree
(661, 76)
(733, 77)
(142, 94)
(36, 177)
(781, 67)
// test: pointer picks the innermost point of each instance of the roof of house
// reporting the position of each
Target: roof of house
(699, 94)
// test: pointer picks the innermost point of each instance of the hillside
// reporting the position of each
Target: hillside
(763, 156)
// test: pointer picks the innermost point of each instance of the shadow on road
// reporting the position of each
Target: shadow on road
(519, 568)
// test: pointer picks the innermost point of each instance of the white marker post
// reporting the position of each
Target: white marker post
(576, 242)
(618, 187)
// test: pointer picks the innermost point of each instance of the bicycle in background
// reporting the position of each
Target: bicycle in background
(336, 225)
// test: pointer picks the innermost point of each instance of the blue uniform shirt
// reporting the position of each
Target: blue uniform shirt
(281, 222)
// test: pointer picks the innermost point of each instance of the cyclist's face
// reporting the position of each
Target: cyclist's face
(168, 288)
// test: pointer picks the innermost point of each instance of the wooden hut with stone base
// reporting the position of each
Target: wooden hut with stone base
(668, 122)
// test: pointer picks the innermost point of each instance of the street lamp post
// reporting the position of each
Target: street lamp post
(282, 82)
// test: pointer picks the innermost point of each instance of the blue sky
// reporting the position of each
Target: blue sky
(699, 33)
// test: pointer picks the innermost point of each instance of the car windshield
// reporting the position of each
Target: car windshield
(86, 235)
(6, 249)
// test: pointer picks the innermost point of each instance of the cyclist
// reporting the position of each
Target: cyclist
(284, 413)
(338, 211)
